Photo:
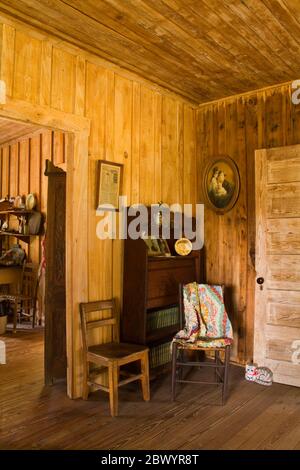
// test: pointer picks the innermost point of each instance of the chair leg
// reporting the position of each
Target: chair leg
(226, 373)
(15, 316)
(113, 388)
(217, 359)
(85, 378)
(145, 377)
(180, 369)
(34, 315)
(174, 360)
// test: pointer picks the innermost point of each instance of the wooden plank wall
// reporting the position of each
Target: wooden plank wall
(153, 133)
(237, 126)
(22, 166)
(150, 131)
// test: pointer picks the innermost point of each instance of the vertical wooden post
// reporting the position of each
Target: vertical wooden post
(77, 248)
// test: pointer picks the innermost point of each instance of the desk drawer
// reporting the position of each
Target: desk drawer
(163, 282)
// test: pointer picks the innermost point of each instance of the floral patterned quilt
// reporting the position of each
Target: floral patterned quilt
(206, 320)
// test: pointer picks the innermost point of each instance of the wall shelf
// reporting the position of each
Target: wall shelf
(16, 212)
(5, 215)
(19, 236)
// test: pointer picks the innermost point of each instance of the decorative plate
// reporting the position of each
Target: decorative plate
(183, 247)
(30, 201)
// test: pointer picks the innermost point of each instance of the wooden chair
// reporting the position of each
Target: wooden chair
(179, 363)
(24, 302)
(110, 355)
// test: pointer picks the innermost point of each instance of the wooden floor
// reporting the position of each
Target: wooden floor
(35, 417)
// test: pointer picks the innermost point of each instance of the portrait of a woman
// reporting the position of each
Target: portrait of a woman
(221, 184)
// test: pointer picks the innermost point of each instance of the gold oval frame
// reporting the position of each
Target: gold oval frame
(208, 166)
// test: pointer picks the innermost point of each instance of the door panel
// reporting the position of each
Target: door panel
(277, 304)
(55, 298)
(283, 200)
(283, 272)
(283, 308)
(283, 236)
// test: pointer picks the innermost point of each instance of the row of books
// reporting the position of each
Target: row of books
(160, 354)
(162, 318)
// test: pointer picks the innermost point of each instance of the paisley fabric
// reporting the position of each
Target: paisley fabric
(191, 307)
(206, 321)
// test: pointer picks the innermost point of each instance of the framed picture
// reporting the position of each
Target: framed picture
(164, 247)
(153, 246)
(221, 184)
(157, 246)
(109, 185)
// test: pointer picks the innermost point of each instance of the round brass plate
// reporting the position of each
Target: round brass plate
(183, 247)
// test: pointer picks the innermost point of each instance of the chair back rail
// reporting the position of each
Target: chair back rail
(29, 282)
(86, 308)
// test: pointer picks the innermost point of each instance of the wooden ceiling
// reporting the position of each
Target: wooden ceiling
(201, 49)
(11, 130)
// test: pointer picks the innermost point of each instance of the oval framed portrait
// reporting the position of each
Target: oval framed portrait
(221, 183)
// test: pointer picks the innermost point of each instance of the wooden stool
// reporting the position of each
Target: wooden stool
(111, 355)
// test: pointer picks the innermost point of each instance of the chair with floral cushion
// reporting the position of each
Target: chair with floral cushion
(207, 328)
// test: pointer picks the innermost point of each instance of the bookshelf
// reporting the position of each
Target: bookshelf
(150, 296)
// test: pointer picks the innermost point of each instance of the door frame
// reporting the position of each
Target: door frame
(76, 216)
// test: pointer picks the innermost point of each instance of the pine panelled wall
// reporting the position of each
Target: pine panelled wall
(151, 131)
(238, 126)
(163, 143)
(22, 172)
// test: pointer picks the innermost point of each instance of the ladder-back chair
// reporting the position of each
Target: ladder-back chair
(208, 344)
(24, 302)
(111, 355)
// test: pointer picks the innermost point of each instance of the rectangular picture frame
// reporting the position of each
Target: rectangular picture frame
(157, 246)
(109, 185)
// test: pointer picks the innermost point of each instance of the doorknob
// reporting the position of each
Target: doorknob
(260, 281)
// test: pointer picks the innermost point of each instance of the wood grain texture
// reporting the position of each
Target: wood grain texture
(7, 56)
(27, 66)
(283, 236)
(238, 126)
(23, 165)
(128, 115)
(254, 417)
(201, 50)
(63, 80)
(283, 308)
(12, 130)
(276, 335)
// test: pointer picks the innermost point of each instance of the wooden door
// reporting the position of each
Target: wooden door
(55, 289)
(277, 316)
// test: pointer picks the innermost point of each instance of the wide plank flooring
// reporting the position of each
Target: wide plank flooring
(33, 416)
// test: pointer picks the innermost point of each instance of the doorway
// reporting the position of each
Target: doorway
(24, 151)
(76, 216)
